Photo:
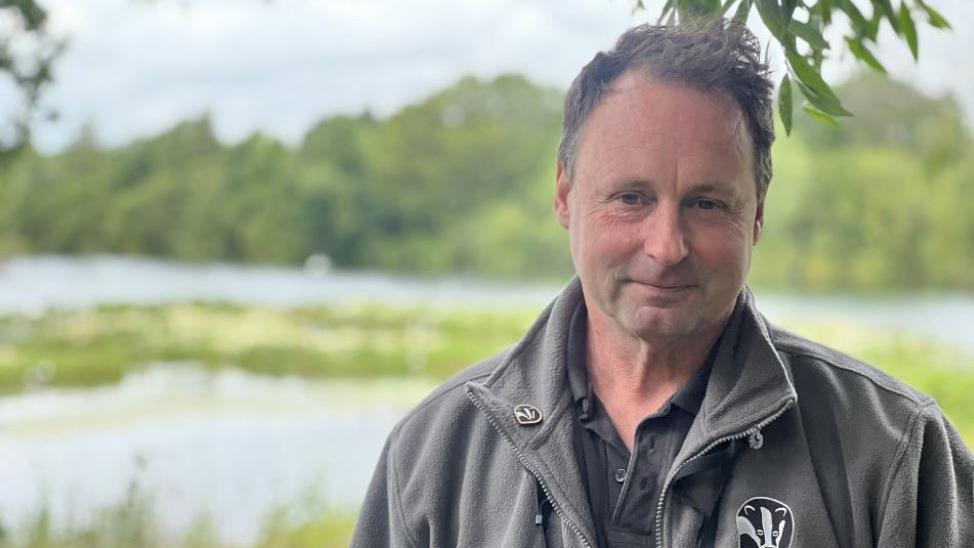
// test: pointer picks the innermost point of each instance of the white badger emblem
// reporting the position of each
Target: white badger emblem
(526, 414)
(765, 523)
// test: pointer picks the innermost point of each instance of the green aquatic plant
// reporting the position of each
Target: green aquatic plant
(369, 340)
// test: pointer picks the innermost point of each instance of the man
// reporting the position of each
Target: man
(651, 404)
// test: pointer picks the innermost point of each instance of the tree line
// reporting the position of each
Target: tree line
(462, 183)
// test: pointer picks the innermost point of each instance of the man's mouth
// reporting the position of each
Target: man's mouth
(662, 292)
(662, 286)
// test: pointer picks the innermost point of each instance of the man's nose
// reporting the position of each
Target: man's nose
(664, 238)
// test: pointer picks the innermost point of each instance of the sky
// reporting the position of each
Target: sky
(134, 68)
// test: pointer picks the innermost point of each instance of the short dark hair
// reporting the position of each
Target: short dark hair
(706, 54)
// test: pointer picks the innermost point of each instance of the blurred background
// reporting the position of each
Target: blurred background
(245, 236)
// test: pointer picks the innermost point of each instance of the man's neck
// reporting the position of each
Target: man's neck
(634, 377)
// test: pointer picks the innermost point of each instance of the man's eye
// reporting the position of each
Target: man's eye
(703, 203)
(630, 198)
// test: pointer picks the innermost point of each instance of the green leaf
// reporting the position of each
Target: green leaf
(818, 92)
(887, 8)
(34, 15)
(809, 34)
(858, 20)
(770, 13)
(817, 114)
(873, 29)
(667, 8)
(788, 11)
(828, 104)
(742, 10)
(688, 9)
(864, 55)
(784, 103)
(726, 6)
(909, 29)
(824, 8)
(936, 20)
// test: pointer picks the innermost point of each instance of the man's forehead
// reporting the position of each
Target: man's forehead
(641, 81)
(669, 117)
(637, 103)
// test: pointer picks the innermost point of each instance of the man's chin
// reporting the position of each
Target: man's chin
(651, 322)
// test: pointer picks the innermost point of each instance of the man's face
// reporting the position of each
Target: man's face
(662, 210)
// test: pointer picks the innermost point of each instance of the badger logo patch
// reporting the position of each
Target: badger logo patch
(765, 523)
(526, 414)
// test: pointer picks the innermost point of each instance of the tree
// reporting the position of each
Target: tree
(27, 54)
(799, 28)
(893, 114)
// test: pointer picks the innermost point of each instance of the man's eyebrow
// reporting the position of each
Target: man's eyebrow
(711, 187)
(706, 187)
(633, 183)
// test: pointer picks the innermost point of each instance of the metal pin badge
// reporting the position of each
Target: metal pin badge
(526, 414)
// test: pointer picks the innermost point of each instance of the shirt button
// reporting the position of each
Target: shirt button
(620, 475)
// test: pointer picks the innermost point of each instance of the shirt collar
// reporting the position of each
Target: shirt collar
(575, 358)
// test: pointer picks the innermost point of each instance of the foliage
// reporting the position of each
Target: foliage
(462, 182)
(878, 204)
(308, 523)
(84, 348)
(131, 522)
(128, 523)
(27, 54)
(366, 193)
(892, 115)
(800, 29)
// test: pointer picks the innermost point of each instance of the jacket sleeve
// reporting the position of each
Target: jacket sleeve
(930, 499)
(380, 523)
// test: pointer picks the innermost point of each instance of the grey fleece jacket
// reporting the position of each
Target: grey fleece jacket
(826, 452)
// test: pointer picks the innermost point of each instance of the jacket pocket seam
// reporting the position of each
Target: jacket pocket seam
(900, 457)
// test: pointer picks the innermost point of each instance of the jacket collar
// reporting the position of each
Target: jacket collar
(748, 384)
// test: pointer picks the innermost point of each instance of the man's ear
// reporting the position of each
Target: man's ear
(562, 188)
(759, 220)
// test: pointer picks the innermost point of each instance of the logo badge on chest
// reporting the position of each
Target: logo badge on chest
(526, 414)
(764, 522)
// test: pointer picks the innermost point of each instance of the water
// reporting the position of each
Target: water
(229, 445)
(35, 284)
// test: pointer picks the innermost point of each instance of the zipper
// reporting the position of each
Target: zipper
(534, 472)
(754, 431)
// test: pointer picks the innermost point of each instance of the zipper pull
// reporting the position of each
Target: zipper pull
(755, 439)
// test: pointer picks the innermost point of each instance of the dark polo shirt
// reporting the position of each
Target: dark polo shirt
(624, 488)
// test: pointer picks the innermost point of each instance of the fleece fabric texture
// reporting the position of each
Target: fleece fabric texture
(829, 453)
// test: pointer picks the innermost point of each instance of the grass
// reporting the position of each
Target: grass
(130, 523)
(88, 348)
